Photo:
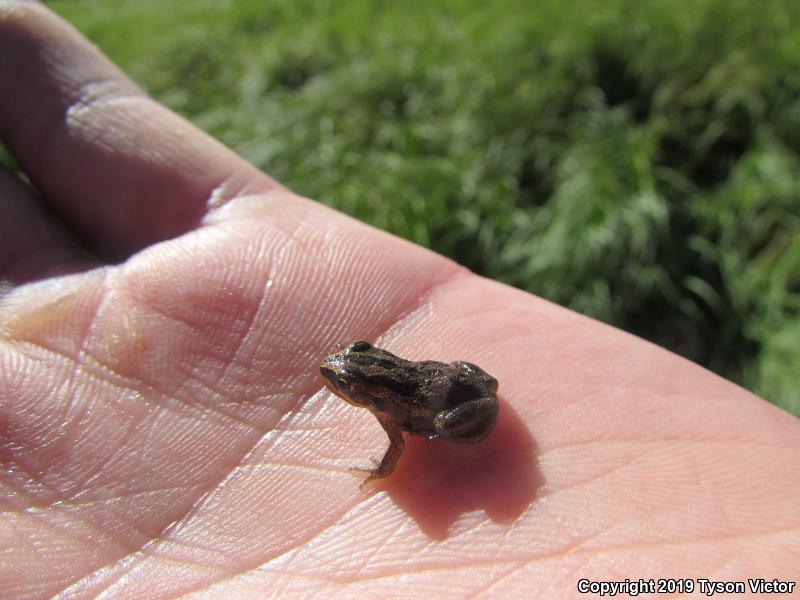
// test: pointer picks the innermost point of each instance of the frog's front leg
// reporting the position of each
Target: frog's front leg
(470, 421)
(393, 453)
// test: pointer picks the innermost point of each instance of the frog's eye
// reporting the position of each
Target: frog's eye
(360, 346)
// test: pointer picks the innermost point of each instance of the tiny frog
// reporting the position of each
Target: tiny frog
(456, 402)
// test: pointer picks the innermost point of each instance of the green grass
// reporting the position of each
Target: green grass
(635, 161)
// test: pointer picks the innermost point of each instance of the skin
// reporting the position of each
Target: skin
(164, 429)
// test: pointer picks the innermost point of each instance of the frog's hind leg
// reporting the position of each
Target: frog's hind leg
(468, 422)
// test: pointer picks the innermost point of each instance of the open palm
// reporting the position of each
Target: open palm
(164, 429)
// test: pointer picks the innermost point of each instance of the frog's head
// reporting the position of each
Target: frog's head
(345, 369)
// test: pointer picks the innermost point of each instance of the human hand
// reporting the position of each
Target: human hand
(164, 429)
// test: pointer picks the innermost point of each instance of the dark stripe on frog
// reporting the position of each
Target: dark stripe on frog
(369, 360)
(407, 387)
(396, 379)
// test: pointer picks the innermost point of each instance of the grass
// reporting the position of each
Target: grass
(635, 161)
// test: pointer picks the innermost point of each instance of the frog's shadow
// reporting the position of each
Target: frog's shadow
(437, 482)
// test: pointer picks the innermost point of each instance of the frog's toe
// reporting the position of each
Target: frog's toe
(367, 475)
(363, 473)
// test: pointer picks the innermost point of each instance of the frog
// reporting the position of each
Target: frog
(456, 402)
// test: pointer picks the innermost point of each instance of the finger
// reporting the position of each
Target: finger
(119, 169)
(32, 243)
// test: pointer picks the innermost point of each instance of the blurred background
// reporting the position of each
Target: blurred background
(635, 161)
